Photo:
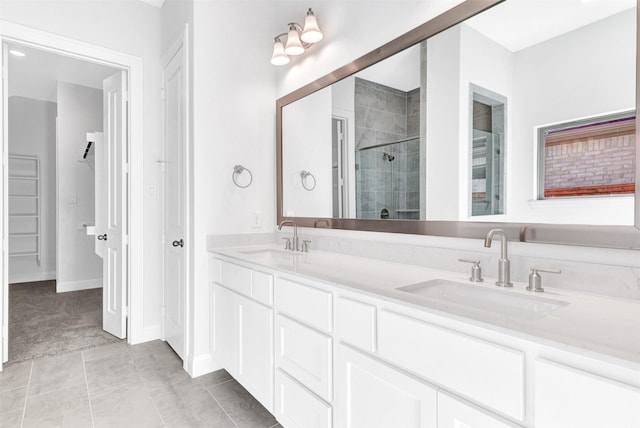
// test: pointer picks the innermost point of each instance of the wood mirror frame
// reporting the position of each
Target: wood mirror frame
(623, 237)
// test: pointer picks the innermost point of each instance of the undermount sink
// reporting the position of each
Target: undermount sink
(486, 299)
(271, 252)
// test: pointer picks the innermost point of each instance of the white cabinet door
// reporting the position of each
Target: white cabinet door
(224, 337)
(453, 413)
(372, 394)
(255, 349)
(566, 397)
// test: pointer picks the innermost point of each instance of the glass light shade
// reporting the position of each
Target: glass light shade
(294, 45)
(279, 57)
(311, 32)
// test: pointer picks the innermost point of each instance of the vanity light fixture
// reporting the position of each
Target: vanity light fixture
(16, 52)
(298, 39)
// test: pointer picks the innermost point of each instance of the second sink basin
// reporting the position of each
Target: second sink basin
(272, 253)
(486, 299)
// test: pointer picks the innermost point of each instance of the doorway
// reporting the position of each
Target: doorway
(57, 110)
(130, 163)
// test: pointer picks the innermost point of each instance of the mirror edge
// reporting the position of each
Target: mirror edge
(619, 237)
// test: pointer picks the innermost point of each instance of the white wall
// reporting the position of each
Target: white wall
(132, 27)
(233, 122)
(306, 145)
(79, 112)
(594, 68)
(443, 107)
(32, 132)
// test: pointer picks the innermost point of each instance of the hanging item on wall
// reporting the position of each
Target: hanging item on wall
(304, 175)
(237, 171)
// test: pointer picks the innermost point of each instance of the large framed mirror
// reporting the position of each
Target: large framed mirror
(518, 114)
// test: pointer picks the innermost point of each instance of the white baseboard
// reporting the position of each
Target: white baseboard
(31, 277)
(201, 364)
(86, 284)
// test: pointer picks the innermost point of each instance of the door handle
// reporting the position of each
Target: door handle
(179, 243)
(102, 237)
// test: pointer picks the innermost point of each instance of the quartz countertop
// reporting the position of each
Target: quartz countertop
(600, 324)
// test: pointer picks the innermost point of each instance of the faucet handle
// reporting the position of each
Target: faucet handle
(287, 243)
(305, 245)
(535, 280)
(476, 270)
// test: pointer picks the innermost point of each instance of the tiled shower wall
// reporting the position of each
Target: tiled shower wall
(384, 115)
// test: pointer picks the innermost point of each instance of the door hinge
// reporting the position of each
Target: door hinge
(125, 168)
(125, 96)
(125, 311)
(162, 94)
(125, 240)
(4, 72)
(162, 239)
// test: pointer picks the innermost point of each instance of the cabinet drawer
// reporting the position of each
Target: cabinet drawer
(356, 323)
(305, 354)
(307, 304)
(250, 283)
(298, 408)
(567, 397)
(454, 413)
(486, 372)
(371, 393)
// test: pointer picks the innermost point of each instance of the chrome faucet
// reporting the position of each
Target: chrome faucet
(294, 240)
(504, 266)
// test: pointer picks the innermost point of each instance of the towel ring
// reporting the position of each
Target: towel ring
(237, 170)
(303, 178)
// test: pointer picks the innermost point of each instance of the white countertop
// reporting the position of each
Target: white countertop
(595, 323)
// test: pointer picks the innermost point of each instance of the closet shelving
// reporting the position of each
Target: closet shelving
(24, 207)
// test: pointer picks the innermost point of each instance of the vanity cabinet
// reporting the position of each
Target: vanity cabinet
(373, 394)
(566, 397)
(303, 353)
(321, 355)
(242, 336)
(453, 413)
(486, 372)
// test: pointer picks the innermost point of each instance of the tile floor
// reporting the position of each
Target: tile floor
(122, 386)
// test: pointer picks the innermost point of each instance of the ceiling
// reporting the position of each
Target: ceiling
(37, 74)
(519, 24)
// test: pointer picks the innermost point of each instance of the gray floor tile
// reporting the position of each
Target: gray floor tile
(214, 378)
(12, 407)
(125, 406)
(158, 364)
(188, 404)
(243, 409)
(65, 408)
(114, 350)
(108, 372)
(55, 373)
(15, 376)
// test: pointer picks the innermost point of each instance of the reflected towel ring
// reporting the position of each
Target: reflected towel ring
(237, 170)
(303, 178)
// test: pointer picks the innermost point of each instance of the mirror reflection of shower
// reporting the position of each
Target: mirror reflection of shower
(387, 150)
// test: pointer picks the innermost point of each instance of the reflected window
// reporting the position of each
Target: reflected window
(594, 157)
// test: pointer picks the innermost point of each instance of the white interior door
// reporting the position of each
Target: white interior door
(100, 191)
(4, 263)
(114, 264)
(174, 202)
